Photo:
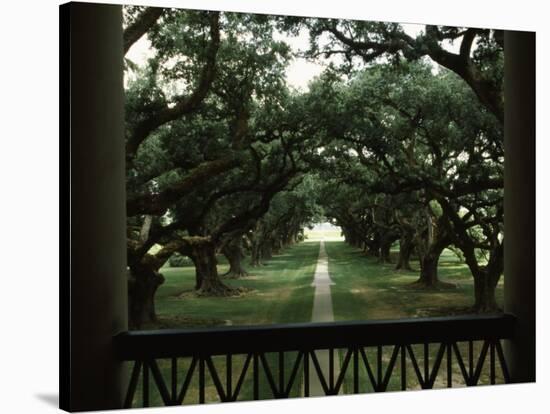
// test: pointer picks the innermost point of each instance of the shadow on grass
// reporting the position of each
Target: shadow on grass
(366, 289)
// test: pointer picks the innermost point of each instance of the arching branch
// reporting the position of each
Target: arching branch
(140, 26)
(185, 105)
(158, 203)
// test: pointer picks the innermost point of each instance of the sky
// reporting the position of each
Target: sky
(299, 72)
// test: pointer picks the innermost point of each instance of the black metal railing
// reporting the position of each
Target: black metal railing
(280, 361)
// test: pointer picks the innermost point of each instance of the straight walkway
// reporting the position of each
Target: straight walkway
(322, 312)
(322, 302)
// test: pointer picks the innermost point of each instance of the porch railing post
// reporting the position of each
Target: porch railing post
(94, 304)
(519, 201)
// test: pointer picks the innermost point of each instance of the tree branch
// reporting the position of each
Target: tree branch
(142, 130)
(158, 203)
(466, 45)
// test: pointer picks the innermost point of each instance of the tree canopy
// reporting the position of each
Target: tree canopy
(398, 140)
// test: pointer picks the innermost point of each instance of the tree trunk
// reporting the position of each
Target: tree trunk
(233, 252)
(353, 240)
(267, 252)
(432, 241)
(485, 277)
(206, 266)
(290, 240)
(372, 249)
(198, 274)
(405, 250)
(142, 286)
(385, 253)
(484, 288)
(373, 245)
(428, 270)
(255, 255)
(278, 246)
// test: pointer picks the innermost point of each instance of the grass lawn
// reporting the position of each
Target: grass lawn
(281, 292)
(365, 289)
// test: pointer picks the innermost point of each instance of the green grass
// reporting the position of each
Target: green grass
(366, 289)
(278, 292)
(281, 292)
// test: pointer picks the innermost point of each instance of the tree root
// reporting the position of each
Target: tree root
(219, 289)
(235, 275)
